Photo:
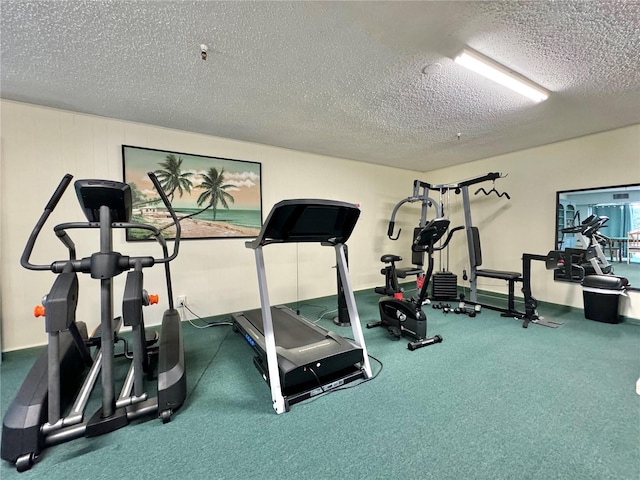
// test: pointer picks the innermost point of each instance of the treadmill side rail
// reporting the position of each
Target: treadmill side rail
(356, 327)
(277, 399)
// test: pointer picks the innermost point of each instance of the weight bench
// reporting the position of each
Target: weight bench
(511, 277)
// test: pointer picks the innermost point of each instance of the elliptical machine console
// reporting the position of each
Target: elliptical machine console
(403, 316)
(50, 406)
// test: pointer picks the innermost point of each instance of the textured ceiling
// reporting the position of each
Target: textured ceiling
(344, 79)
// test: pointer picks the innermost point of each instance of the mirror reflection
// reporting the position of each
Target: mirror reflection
(599, 231)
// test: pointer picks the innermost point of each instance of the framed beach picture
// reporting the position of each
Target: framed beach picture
(213, 197)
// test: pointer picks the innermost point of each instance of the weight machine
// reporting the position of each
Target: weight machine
(421, 193)
(552, 260)
(444, 284)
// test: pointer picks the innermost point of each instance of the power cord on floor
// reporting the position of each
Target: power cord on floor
(326, 313)
(207, 324)
(322, 313)
(208, 364)
(375, 375)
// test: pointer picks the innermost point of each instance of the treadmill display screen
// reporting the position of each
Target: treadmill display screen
(319, 222)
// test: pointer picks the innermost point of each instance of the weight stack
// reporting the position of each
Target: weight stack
(444, 286)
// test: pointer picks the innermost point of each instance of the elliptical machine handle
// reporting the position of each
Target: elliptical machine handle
(51, 204)
(176, 221)
(57, 195)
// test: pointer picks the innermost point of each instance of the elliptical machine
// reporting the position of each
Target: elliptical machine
(49, 407)
(588, 258)
(403, 316)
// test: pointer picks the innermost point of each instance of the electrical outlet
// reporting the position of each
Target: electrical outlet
(182, 301)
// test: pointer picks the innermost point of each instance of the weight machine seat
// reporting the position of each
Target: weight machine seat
(403, 272)
(408, 271)
(511, 278)
(500, 274)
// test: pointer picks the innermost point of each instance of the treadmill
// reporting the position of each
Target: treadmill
(297, 358)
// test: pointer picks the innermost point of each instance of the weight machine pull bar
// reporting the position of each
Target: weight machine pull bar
(424, 198)
(461, 183)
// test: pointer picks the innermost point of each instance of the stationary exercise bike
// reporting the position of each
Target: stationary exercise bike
(403, 316)
(49, 407)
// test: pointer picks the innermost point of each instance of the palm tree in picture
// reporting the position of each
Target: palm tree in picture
(172, 178)
(214, 190)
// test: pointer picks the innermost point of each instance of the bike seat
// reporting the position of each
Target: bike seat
(388, 258)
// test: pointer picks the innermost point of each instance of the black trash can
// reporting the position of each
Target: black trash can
(601, 294)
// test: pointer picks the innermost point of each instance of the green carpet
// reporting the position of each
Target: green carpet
(493, 401)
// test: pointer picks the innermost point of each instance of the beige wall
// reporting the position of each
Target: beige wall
(40, 145)
(526, 223)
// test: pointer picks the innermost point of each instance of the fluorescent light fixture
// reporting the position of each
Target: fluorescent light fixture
(496, 72)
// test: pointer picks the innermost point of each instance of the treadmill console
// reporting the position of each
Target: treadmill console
(293, 221)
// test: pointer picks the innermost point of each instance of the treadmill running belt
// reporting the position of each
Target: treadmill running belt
(288, 330)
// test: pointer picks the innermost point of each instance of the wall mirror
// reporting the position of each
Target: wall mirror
(607, 219)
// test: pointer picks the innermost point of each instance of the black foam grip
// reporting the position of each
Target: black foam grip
(62, 186)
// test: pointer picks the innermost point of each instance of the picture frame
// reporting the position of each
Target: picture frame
(214, 197)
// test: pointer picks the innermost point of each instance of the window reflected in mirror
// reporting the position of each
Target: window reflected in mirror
(598, 229)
